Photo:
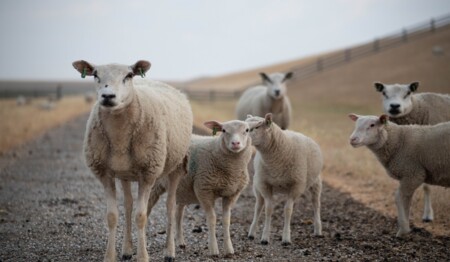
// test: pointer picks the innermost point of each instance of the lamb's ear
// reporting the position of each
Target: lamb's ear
(268, 119)
(84, 68)
(265, 78)
(353, 117)
(379, 86)
(141, 67)
(214, 126)
(288, 76)
(249, 116)
(384, 119)
(413, 86)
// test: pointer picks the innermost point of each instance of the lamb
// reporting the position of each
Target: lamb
(217, 169)
(271, 97)
(412, 154)
(285, 162)
(405, 108)
(137, 131)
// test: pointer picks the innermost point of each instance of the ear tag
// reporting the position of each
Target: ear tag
(214, 131)
(83, 74)
(141, 72)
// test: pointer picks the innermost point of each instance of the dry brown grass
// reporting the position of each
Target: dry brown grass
(20, 124)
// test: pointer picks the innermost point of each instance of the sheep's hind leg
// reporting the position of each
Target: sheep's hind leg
(258, 209)
(316, 191)
(288, 208)
(428, 214)
(174, 179)
(145, 187)
(268, 208)
(127, 246)
(112, 215)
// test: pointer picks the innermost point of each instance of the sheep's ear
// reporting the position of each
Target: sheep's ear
(384, 119)
(379, 86)
(84, 68)
(268, 119)
(413, 86)
(141, 67)
(214, 126)
(353, 117)
(249, 116)
(265, 78)
(288, 76)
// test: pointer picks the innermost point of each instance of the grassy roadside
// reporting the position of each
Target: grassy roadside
(20, 124)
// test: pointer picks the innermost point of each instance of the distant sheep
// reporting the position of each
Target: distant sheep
(412, 154)
(271, 97)
(217, 169)
(285, 162)
(137, 131)
(405, 108)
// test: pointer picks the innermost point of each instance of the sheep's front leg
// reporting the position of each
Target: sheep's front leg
(316, 191)
(127, 246)
(258, 209)
(288, 207)
(208, 205)
(428, 215)
(174, 179)
(403, 198)
(268, 206)
(145, 187)
(179, 220)
(227, 204)
(112, 215)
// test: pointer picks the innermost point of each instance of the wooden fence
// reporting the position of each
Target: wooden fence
(330, 61)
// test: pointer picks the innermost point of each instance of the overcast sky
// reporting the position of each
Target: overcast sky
(39, 39)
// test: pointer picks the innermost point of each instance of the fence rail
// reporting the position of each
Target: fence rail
(350, 54)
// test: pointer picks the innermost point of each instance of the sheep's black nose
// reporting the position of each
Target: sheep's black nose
(395, 106)
(277, 92)
(105, 96)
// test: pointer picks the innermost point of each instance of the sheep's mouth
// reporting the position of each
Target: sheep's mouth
(394, 112)
(108, 103)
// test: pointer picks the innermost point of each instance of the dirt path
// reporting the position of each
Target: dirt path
(52, 209)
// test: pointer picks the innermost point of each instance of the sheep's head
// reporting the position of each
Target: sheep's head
(276, 84)
(369, 130)
(234, 134)
(259, 128)
(113, 81)
(397, 98)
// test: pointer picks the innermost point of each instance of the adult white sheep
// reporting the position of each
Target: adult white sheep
(270, 97)
(137, 131)
(406, 108)
(412, 154)
(217, 169)
(286, 162)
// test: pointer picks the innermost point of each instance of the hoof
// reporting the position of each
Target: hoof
(126, 257)
(169, 259)
(264, 242)
(427, 220)
(197, 229)
(251, 237)
(182, 246)
(286, 244)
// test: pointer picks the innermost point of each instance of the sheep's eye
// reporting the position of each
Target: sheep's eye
(407, 94)
(257, 127)
(223, 130)
(384, 94)
(246, 130)
(96, 77)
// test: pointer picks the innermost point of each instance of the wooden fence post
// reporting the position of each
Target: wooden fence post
(376, 45)
(432, 25)
(319, 64)
(348, 54)
(404, 35)
(212, 95)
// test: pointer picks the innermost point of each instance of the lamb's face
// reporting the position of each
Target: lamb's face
(259, 128)
(234, 134)
(367, 129)
(276, 84)
(397, 98)
(114, 83)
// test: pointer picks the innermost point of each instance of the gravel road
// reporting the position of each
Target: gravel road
(52, 209)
